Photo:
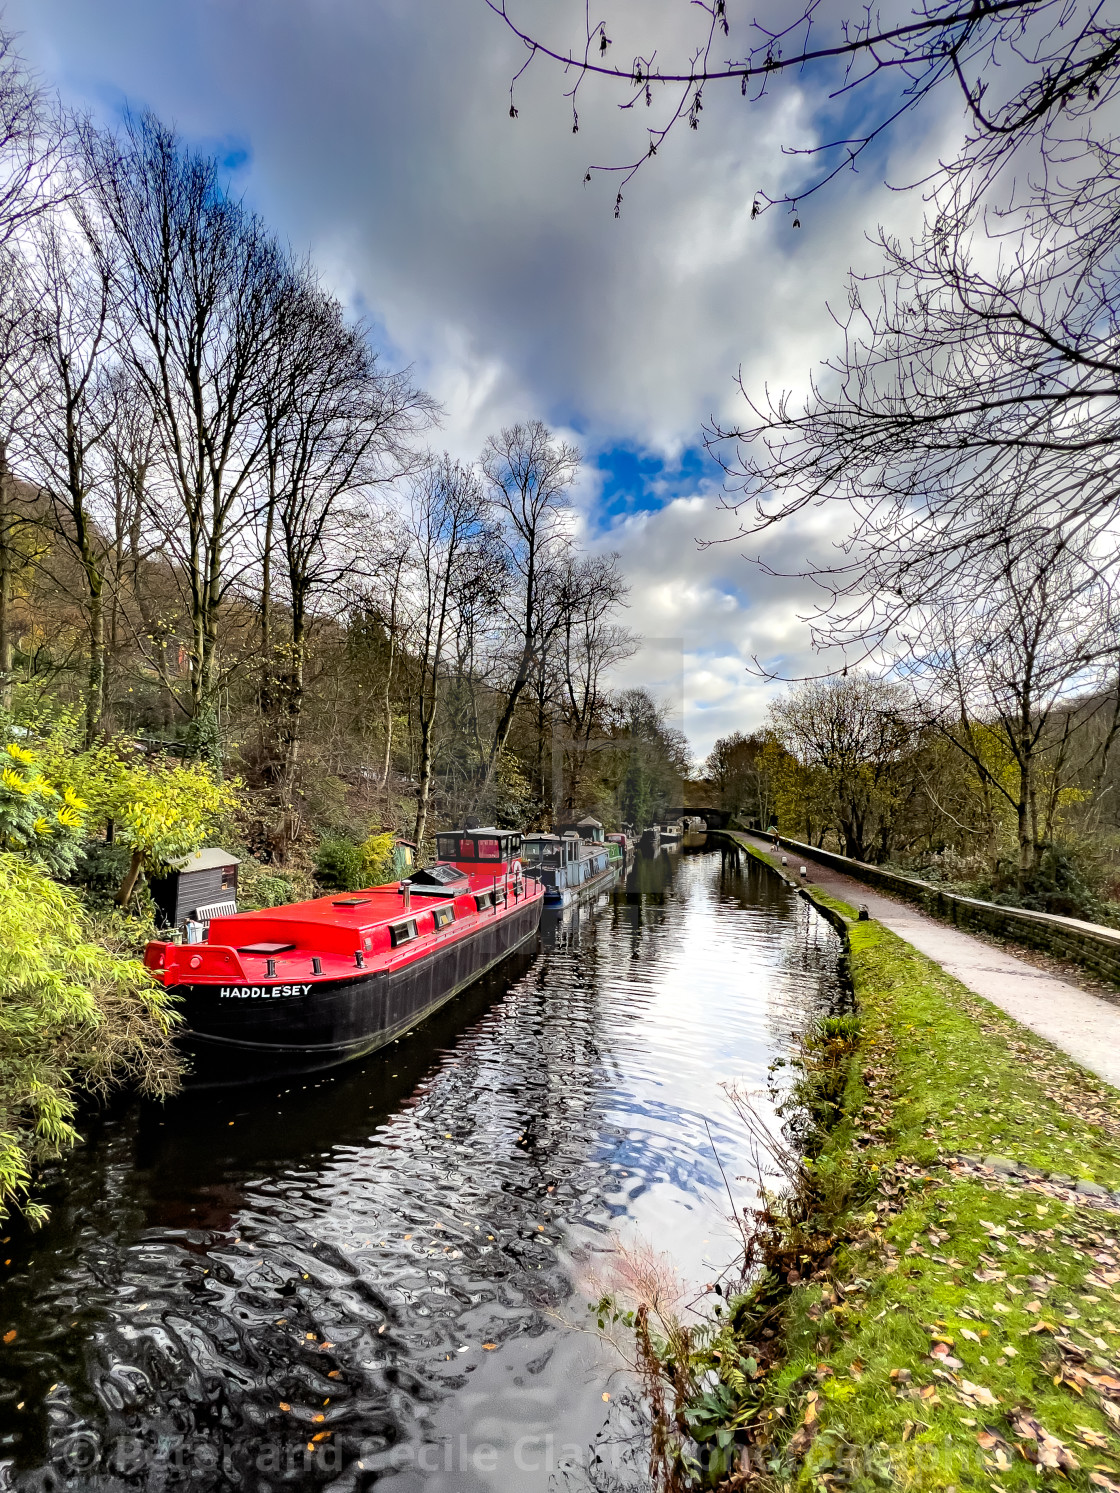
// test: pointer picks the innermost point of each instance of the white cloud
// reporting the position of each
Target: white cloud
(379, 136)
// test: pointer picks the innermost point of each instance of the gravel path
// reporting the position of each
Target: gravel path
(1082, 1025)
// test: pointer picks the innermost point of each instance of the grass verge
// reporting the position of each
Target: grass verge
(969, 1330)
(961, 1329)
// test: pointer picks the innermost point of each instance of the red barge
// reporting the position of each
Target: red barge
(311, 984)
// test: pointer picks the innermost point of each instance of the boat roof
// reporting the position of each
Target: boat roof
(208, 859)
(488, 830)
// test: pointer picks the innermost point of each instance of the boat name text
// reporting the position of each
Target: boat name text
(261, 992)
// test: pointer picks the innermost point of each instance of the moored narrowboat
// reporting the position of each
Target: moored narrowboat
(624, 845)
(311, 984)
(569, 865)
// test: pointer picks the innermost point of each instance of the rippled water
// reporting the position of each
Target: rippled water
(396, 1259)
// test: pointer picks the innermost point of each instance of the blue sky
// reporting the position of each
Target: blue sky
(375, 134)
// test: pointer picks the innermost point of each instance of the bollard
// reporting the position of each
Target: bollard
(804, 871)
(864, 915)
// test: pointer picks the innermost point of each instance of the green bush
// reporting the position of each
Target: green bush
(74, 1016)
(339, 864)
(43, 821)
(1066, 881)
(342, 865)
(377, 859)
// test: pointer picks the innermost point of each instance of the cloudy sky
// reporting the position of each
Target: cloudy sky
(376, 134)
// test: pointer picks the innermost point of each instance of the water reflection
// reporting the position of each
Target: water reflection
(367, 1276)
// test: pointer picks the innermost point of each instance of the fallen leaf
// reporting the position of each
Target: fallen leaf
(318, 1418)
(10, 1337)
(983, 1276)
(489, 1347)
(978, 1392)
(1093, 1438)
(973, 1337)
(1051, 1452)
(1099, 1480)
(285, 1406)
(606, 1396)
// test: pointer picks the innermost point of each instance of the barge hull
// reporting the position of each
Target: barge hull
(566, 896)
(281, 1028)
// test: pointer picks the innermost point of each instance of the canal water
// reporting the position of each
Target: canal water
(381, 1277)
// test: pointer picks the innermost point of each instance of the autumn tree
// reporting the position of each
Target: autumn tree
(856, 731)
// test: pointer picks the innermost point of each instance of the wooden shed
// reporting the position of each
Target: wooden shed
(200, 886)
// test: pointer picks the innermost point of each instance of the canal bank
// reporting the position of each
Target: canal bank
(960, 1324)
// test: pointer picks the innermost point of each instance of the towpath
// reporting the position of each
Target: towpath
(1083, 1025)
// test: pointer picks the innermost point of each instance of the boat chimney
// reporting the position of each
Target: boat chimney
(407, 890)
(316, 965)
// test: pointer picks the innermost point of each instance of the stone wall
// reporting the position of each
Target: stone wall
(1089, 944)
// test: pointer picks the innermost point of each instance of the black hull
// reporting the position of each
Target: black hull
(566, 896)
(338, 1020)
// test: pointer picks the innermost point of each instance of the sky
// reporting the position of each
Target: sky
(376, 135)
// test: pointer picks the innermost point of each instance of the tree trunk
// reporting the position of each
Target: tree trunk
(132, 875)
(95, 702)
(293, 704)
(424, 786)
(5, 582)
(1023, 812)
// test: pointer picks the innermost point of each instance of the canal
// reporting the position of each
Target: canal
(381, 1276)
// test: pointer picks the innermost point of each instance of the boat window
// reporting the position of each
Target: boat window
(482, 900)
(489, 850)
(401, 932)
(467, 850)
(443, 915)
(447, 847)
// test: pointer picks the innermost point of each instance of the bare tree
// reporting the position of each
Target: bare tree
(977, 397)
(198, 285)
(336, 428)
(63, 442)
(1014, 669)
(448, 522)
(856, 730)
(1023, 68)
(31, 135)
(529, 475)
(590, 643)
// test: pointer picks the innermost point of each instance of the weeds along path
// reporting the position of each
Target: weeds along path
(1082, 1025)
